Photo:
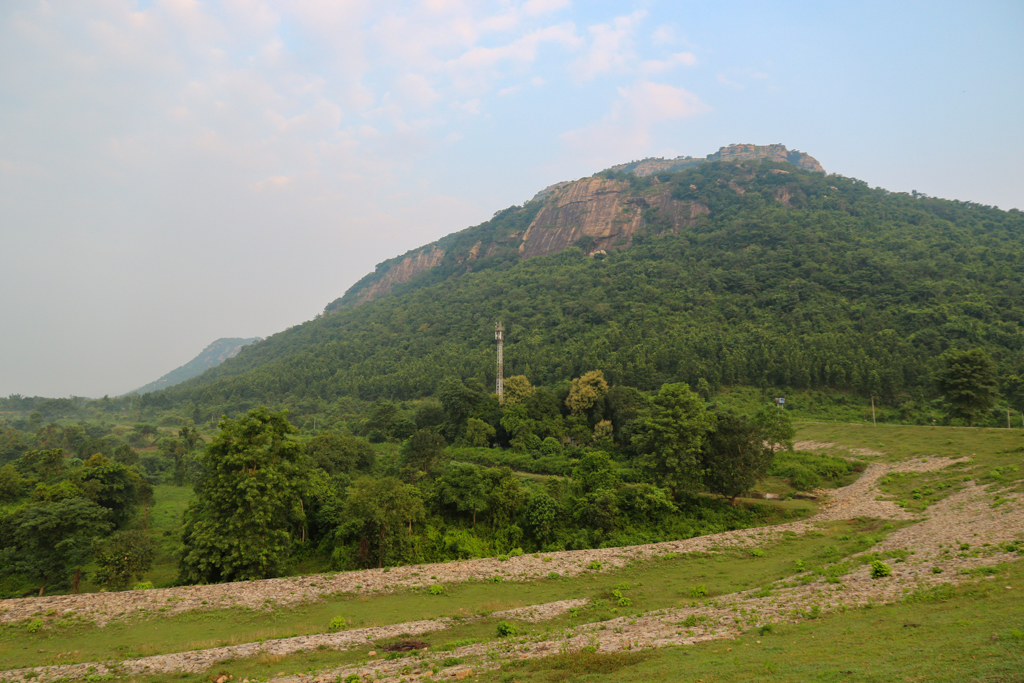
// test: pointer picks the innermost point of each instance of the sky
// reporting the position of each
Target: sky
(175, 171)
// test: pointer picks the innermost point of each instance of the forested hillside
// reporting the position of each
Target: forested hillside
(789, 279)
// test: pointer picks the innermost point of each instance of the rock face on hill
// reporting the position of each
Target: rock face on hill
(770, 152)
(603, 210)
(598, 214)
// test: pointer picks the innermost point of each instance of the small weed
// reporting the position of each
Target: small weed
(763, 629)
(506, 628)
(553, 575)
(34, 626)
(595, 565)
(698, 591)
(337, 624)
(936, 570)
(880, 569)
(436, 589)
(756, 552)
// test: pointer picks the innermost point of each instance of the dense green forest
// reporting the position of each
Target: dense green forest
(847, 288)
(272, 499)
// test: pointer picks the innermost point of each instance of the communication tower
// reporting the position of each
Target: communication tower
(499, 385)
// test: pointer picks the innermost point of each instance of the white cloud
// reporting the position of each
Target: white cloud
(533, 8)
(626, 131)
(611, 47)
(657, 66)
(663, 35)
(511, 90)
(416, 89)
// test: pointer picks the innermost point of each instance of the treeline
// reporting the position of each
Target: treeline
(843, 287)
(263, 499)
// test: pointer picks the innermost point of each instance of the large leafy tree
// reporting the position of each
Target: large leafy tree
(381, 513)
(967, 382)
(670, 436)
(122, 556)
(248, 501)
(53, 541)
(736, 454)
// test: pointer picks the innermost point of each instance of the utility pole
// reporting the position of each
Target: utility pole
(499, 385)
(873, 423)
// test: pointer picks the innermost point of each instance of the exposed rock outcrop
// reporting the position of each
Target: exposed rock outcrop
(405, 270)
(604, 208)
(601, 209)
(776, 152)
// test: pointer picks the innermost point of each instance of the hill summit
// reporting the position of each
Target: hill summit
(599, 214)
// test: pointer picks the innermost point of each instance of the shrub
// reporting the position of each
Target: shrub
(553, 575)
(143, 586)
(506, 628)
(698, 591)
(34, 626)
(436, 589)
(880, 569)
(756, 552)
(337, 624)
(595, 565)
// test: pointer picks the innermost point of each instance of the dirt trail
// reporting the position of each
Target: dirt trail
(967, 516)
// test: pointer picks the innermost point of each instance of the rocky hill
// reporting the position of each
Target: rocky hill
(599, 214)
(210, 357)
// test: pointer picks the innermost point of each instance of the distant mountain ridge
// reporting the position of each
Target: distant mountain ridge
(210, 357)
(600, 213)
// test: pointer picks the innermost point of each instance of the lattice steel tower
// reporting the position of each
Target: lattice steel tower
(499, 384)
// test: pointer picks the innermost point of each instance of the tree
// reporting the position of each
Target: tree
(460, 487)
(119, 489)
(736, 455)
(967, 382)
(585, 391)
(248, 501)
(423, 451)
(776, 427)
(337, 452)
(122, 556)
(542, 514)
(478, 433)
(383, 512)
(11, 484)
(670, 435)
(54, 540)
(517, 424)
(517, 389)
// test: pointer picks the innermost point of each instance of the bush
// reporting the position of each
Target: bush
(337, 624)
(506, 628)
(595, 565)
(698, 591)
(880, 569)
(436, 589)
(34, 626)
(143, 586)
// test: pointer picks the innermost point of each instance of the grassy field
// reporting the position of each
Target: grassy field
(995, 457)
(653, 584)
(971, 633)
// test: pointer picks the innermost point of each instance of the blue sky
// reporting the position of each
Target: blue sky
(175, 171)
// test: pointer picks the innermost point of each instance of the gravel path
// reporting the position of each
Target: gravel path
(967, 516)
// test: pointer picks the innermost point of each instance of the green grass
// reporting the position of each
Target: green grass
(994, 454)
(974, 632)
(654, 584)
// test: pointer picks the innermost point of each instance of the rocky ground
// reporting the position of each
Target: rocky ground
(967, 516)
